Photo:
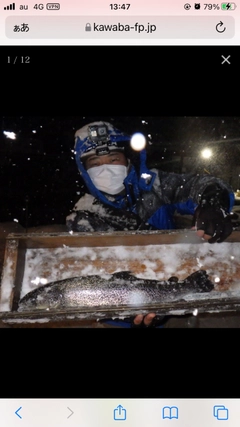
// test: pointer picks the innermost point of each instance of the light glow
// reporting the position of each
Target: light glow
(206, 153)
(138, 141)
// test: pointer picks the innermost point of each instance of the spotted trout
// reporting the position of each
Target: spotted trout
(121, 289)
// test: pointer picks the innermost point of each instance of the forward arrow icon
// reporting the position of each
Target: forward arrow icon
(71, 412)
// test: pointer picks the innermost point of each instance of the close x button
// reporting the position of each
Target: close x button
(225, 59)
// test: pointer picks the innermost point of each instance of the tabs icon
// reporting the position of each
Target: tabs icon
(220, 412)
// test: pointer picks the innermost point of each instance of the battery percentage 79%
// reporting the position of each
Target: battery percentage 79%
(210, 6)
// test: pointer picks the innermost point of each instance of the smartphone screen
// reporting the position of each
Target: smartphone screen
(120, 209)
(118, 121)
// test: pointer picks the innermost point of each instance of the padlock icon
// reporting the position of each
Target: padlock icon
(88, 27)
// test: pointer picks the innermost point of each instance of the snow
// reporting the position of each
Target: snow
(159, 262)
(5, 288)
(42, 320)
(137, 298)
(86, 202)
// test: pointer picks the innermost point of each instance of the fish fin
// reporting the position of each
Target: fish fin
(199, 274)
(173, 279)
(200, 281)
(125, 275)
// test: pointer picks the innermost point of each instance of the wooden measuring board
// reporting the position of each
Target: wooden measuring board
(31, 260)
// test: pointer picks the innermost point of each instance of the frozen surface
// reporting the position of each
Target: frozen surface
(160, 262)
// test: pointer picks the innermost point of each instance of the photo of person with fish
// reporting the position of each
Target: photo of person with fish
(123, 194)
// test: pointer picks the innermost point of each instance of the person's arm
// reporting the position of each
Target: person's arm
(212, 219)
(104, 220)
(91, 215)
(207, 198)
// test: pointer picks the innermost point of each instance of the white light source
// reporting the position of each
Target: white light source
(206, 153)
(138, 141)
(10, 135)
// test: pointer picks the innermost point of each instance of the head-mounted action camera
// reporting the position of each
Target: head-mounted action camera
(99, 135)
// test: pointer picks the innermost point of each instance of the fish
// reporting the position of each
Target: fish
(121, 289)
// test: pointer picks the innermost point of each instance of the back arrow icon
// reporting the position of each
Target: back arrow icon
(71, 412)
(16, 412)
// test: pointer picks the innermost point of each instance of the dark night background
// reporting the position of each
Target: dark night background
(172, 95)
(39, 178)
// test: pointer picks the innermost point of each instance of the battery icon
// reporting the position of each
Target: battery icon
(228, 6)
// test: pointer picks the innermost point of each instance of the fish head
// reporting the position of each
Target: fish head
(43, 298)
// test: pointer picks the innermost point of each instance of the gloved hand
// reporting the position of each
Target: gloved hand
(148, 321)
(212, 223)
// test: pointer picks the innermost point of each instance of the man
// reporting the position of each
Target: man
(125, 195)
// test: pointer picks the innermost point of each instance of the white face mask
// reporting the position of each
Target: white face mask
(108, 178)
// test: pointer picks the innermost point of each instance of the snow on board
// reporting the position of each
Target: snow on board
(65, 257)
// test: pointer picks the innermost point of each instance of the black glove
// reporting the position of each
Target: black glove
(212, 216)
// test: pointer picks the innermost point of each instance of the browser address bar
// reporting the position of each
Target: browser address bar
(108, 27)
